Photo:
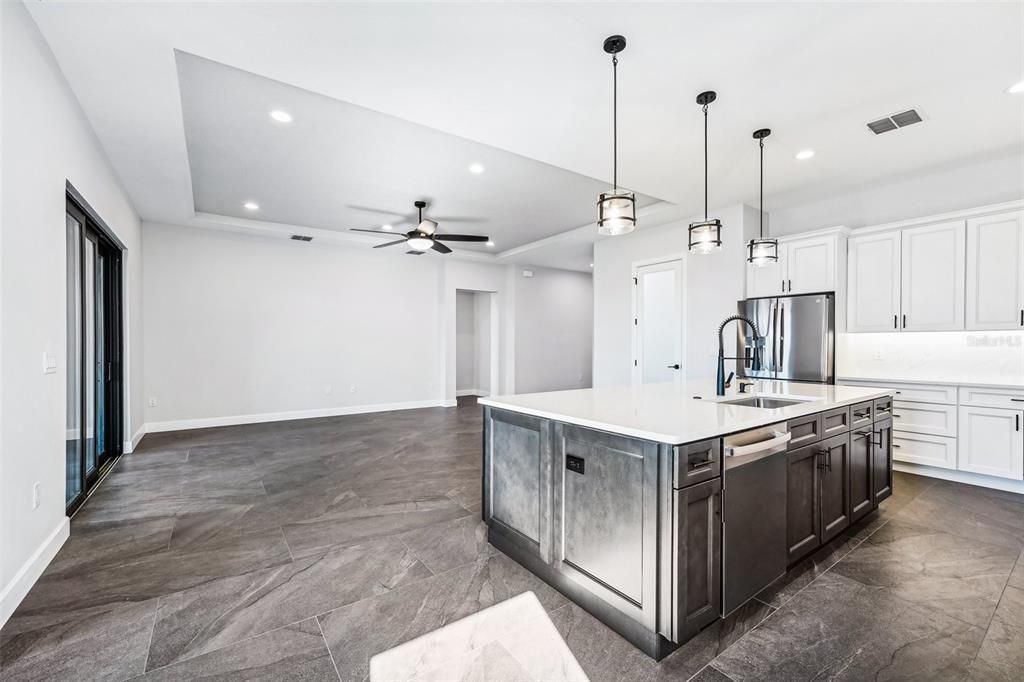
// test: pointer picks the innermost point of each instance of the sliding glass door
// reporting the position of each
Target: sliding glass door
(94, 421)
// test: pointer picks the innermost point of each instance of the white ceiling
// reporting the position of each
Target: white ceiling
(531, 79)
(337, 166)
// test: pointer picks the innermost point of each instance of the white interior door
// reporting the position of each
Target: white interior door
(658, 323)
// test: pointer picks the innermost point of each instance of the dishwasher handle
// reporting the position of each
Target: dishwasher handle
(777, 440)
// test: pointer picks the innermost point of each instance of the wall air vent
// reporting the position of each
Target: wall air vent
(302, 238)
(901, 120)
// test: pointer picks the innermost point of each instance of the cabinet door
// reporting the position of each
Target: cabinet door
(932, 279)
(767, 280)
(995, 272)
(698, 557)
(811, 265)
(991, 442)
(881, 462)
(873, 283)
(835, 485)
(860, 472)
(803, 507)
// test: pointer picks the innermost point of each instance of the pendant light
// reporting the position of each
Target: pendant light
(706, 235)
(761, 251)
(616, 210)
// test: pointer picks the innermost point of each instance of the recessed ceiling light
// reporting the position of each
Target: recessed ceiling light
(1016, 88)
(476, 168)
(251, 206)
(386, 227)
(804, 154)
(490, 243)
(281, 116)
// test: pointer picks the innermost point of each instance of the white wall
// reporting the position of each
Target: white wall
(239, 326)
(996, 356)
(46, 142)
(964, 184)
(467, 349)
(713, 283)
(554, 330)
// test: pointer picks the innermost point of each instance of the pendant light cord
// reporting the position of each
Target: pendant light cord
(705, 163)
(615, 123)
(761, 212)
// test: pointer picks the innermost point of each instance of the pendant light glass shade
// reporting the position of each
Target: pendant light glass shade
(762, 251)
(616, 209)
(616, 212)
(705, 235)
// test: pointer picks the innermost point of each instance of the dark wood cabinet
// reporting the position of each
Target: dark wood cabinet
(834, 479)
(698, 557)
(861, 491)
(881, 456)
(803, 501)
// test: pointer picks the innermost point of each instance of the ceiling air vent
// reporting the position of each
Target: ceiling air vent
(901, 120)
(302, 238)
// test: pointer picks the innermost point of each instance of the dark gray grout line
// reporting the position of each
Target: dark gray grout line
(326, 644)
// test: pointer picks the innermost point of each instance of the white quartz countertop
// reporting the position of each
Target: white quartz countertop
(1010, 383)
(679, 412)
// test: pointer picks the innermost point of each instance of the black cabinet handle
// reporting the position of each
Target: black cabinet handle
(895, 321)
(1022, 317)
(897, 416)
(702, 463)
(896, 446)
(1017, 400)
(675, 366)
(904, 320)
(1016, 419)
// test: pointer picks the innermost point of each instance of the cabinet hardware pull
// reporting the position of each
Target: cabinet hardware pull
(789, 283)
(1017, 400)
(1022, 317)
(863, 434)
(904, 320)
(896, 446)
(1016, 419)
(895, 321)
(897, 416)
(703, 463)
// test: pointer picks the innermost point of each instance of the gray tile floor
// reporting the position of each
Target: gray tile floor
(298, 550)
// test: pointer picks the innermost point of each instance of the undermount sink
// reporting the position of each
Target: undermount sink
(763, 402)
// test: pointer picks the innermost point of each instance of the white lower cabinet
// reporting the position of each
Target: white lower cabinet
(992, 442)
(917, 448)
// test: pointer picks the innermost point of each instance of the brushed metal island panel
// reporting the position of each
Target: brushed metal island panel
(603, 516)
(516, 477)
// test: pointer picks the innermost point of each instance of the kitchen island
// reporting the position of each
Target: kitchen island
(660, 508)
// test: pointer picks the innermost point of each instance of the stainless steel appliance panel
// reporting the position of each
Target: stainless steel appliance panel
(760, 311)
(805, 326)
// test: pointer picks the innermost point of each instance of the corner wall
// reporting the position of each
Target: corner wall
(46, 142)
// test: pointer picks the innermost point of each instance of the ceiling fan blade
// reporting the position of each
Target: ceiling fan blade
(397, 241)
(390, 234)
(462, 237)
(440, 248)
(414, 253)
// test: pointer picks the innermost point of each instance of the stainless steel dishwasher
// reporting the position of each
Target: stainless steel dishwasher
(753, 512)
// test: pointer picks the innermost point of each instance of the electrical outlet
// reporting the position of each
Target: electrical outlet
(35, 495)
(152, 402)
(352, 388)
(878, 355)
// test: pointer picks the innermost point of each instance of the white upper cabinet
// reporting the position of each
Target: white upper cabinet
(806, 265)
(995, 271)
(811, 265)
(932, 281)
(873, 289)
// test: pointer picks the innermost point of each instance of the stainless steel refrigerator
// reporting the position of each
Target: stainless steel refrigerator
(799, 338)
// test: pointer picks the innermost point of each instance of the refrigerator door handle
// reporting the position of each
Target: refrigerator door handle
(781, 331)
(775, 335)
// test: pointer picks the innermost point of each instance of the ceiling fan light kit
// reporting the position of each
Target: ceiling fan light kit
(424, 236)
(705, 236)
(762, 251)
(616, 210)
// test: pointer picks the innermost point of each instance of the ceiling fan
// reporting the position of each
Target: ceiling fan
(424, 237)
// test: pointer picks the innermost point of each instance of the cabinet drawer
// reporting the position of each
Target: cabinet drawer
(992, 397)
(933, 420)
(696, 462)
(916, 448)
(835, 422)
(919, 393)
(861, 415)
(804, 431)
(882, 408)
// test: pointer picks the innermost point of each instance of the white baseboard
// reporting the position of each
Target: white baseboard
(993, 482)
(130, 445)
(14, 591)
(207, 422)
(449, 403)
(471, 391)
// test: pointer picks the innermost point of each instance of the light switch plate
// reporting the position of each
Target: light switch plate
(49, 363)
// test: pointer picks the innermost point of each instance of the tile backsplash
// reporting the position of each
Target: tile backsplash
(996, 357)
